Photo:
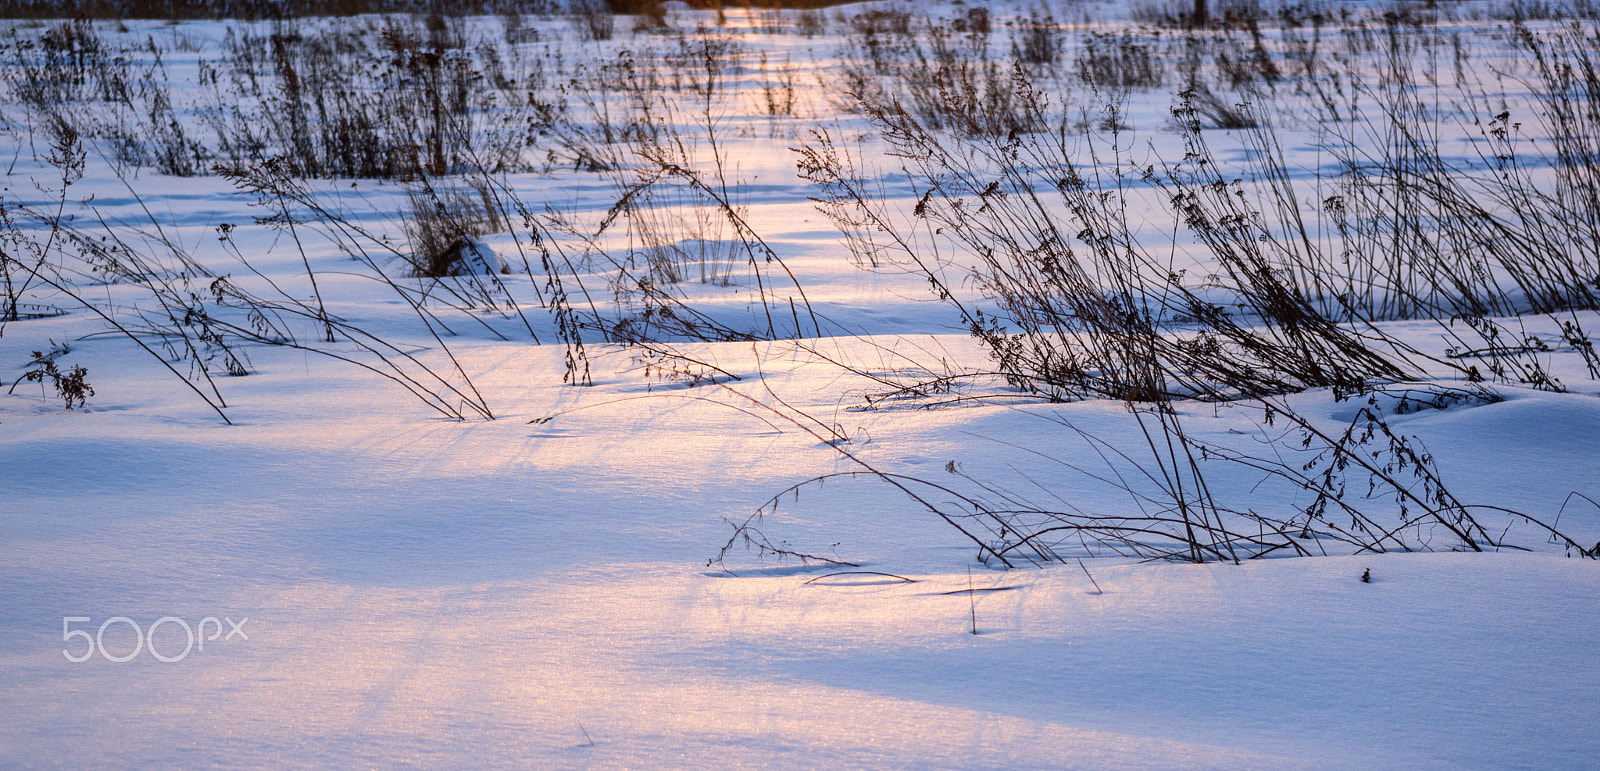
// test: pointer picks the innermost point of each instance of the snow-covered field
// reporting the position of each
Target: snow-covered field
(368, 580)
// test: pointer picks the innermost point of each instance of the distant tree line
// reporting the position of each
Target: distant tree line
(239, 9)
(289, 9)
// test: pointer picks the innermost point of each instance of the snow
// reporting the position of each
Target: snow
(518, 592)
(427, 592)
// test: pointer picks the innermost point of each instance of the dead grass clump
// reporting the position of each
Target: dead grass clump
(1127, 60)
(442, 227)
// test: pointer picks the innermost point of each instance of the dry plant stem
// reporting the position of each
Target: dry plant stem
(1201, 537)
(750, 240)
(271, 179)
(972, 601)
(170, 302)
(499, 191)
(63, 289)
(1350, 450)
(859, 213)
(746, 532)
(1445, 510)
(1100, 321)
(923, 391)
(700, 325)
(654, 396)
(829, 436)
(433, 394)
(68, 157)
(1185, 485)
(1097, 589)
(188, 262)
(569, 327)
(838, 573)
(139, 272)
